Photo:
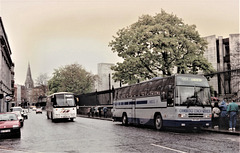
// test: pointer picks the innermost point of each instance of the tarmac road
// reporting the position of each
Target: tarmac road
(90, 135)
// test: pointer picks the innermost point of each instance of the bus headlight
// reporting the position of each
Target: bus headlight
(207, 115)
(182, 115)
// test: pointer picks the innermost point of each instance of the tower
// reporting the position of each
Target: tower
(29, 80)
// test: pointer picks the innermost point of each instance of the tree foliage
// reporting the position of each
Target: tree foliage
(155, 45)
(42, 80)
(71, 78)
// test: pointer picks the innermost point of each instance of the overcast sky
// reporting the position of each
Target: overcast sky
(53, 33)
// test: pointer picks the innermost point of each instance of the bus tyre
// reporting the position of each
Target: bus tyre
(124, 119)
(52, 117)
(48, 116)
(158, 123)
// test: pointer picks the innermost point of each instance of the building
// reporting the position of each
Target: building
(20, 95)
(29, 86)
(224, 54)
(6, 71)
(105, 81)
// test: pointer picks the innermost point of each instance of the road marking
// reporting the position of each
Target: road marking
(168, 148)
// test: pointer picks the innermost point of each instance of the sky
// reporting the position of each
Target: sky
(50, 34)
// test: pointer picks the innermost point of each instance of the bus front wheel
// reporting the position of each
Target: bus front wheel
(52, 118)
(124, 119)
(158, 122)
(48, 116)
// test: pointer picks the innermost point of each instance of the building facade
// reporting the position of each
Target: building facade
(6, 71)
(29, 86)
(105, 81)
(224, 54)
(19, 95)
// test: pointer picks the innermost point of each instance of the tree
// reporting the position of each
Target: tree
(42, 80)
(155, 45)
(71, 78)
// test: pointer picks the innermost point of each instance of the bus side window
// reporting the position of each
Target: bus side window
(163, 96)
(53, 100)
(170, 99)
(170, 96)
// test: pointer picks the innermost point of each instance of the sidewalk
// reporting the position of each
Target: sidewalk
(216, 130)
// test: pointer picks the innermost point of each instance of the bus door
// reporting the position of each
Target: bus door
(133, 111)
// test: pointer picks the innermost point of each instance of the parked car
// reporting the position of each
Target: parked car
(39, 110)
(34, 108)
(9, 125)
(20, 118)
(25, 113)
(22, 112)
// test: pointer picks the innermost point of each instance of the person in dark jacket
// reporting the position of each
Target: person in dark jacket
(223, 121)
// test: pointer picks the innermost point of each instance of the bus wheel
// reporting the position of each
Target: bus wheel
(52, 117)
(158, 122)
(124, 119)
(48, 116)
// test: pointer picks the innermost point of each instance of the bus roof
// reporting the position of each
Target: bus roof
(159, 78)
(60, 93)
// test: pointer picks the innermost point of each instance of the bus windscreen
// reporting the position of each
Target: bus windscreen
(192, 81)
(65, 100)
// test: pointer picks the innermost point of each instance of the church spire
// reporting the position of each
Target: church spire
(29, 80)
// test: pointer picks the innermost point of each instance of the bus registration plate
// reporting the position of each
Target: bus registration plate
(195, 119)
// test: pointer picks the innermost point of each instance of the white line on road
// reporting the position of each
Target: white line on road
(168, 148)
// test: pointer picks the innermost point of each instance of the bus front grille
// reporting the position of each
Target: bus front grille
(195, 115)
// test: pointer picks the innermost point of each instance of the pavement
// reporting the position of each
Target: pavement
(215, 130)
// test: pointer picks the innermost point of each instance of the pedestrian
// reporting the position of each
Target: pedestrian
(232, 111)
(223, 115)
(215, 115)
(105, 111)
(100, 111)
(89, 111)
(96, 111)
(92, 111)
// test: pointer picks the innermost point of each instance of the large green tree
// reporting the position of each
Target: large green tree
(71, 78)
(155, 45)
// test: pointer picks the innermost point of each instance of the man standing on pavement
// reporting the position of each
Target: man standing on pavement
(232, 111)
(223, 115)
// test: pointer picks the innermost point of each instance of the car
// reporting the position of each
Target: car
(34, 108)
(20, 118)
(9, 125)
(22, 112)
(39, 110)
(25, 115)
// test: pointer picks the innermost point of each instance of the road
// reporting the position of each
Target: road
(92, 135)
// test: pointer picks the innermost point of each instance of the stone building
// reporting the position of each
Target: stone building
(105, 81)
(20, 95)
(224, 54)
(6, 71)
(29, 86)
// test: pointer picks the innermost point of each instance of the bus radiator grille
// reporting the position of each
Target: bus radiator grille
(195, 115)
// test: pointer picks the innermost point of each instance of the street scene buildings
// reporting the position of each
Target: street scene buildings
(47, 105)
(222, 53)
(6, 70)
